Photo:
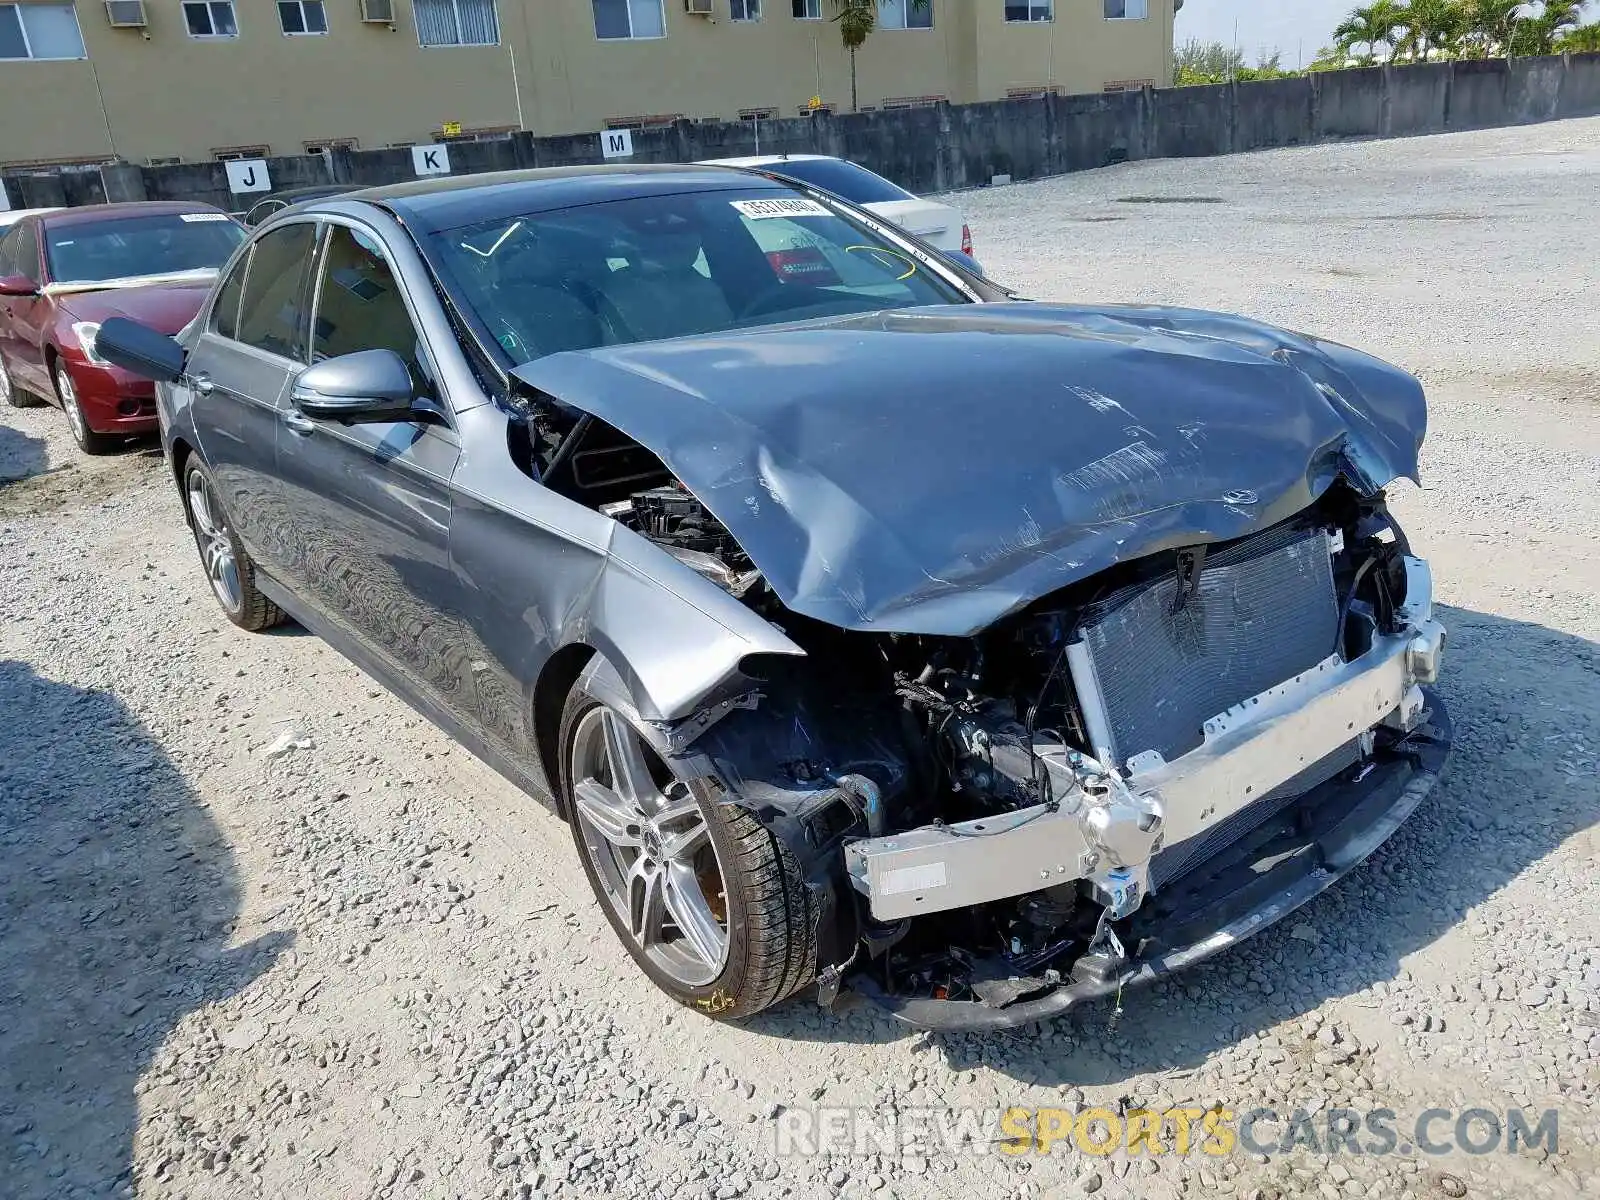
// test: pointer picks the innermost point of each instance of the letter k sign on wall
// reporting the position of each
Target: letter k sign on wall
(431, 160)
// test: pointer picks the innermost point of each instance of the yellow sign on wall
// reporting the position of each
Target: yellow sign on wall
(451, 129)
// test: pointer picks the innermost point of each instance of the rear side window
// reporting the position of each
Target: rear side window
(272, 311)
(24, 257)
(8, 248)
(225, 316)
(844, 179)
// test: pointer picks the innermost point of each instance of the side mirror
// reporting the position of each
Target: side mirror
(17, 285)
(139, 349)
(369, 385)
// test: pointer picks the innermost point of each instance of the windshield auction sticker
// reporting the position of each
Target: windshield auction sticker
(758, 210)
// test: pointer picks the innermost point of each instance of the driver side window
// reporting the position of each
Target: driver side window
(359, 305)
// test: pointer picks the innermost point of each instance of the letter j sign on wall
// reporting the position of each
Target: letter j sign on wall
(248, 175)
(431, 160)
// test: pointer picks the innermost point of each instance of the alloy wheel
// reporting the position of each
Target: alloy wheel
(651, 849)
(216, 544)
(69, 405)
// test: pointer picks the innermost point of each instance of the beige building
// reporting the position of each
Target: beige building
(163, 80)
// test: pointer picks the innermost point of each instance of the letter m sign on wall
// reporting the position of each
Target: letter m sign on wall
(617, 143)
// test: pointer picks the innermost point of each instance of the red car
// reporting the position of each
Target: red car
(62, 273)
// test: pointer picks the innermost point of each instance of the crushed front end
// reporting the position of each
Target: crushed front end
(1213, 744)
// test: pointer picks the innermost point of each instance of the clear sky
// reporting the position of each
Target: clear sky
(1296, 27)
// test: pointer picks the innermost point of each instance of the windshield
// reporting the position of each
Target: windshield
(129, 247)
(670, 266)
(855, 184)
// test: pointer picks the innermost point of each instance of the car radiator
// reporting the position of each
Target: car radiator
(1263, 610)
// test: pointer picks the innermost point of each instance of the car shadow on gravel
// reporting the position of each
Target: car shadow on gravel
(1525, 701)
(118, 898)
(21, 456)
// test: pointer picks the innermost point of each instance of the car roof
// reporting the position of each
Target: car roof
(310, 192)
(103, 212)
(768, 160)
(448, 202)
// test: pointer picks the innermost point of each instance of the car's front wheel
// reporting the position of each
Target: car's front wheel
(88, 440)
(702, 894)
(229, 568)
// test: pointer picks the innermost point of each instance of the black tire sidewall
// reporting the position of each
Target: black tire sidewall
(723, 996)
(242, 561)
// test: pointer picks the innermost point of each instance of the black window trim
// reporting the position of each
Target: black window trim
(249, 248)
(440, 405)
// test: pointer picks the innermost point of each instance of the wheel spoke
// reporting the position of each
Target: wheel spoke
(681, 845)
(630, 773)
(612, 817)
(645, 908)
(686, 905)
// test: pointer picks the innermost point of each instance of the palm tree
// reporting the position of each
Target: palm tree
(1378, 23)
(1583, 40)
(857, 19)
(1432, 26)
(1541, 32)
(1491, 25)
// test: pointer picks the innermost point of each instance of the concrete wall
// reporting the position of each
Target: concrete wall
(953, 146)
(168, 94)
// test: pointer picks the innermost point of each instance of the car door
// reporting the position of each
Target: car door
(367, 505)
(25, 317)
(254, 341)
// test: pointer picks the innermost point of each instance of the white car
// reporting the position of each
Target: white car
(940, 225)
(10, 217)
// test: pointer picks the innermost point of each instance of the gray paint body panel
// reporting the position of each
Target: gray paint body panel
(931, 470)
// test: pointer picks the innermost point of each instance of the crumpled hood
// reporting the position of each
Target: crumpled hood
(931, 470)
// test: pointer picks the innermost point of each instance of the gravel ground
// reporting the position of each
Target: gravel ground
(366, 966)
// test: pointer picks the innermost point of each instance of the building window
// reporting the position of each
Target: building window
(653, 121)
(744, 10)
(1030, 10)
(1032, 91)
(808, 10)
(456, 22)
(236, 153)
(1129, 85)
(40, 31)
(1127, 10)
(909, 14)
(618, 19)
(327, 144)
(758, 114)
(163, 160)
(210, 18)
(302, 16)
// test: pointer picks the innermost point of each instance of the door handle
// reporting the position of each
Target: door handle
(298, 422)
(201, 383)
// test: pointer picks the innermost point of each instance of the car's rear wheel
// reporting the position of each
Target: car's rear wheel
(88, 440)
(229, 568)
(9, 391)
(703, 896)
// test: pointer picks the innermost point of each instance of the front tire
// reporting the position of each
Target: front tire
(88, 440)
(704, 897)
(229, 568)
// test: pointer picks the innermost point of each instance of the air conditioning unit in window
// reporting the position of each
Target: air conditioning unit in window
(126, 14)
(377, 12)
(699, 8)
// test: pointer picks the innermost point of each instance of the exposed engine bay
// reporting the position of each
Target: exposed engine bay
(1032, 809)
